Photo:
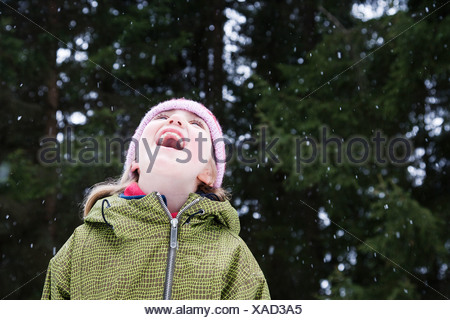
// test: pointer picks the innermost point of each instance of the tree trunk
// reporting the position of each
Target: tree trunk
(52, 106)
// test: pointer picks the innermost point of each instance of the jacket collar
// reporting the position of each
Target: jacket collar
(133, 219)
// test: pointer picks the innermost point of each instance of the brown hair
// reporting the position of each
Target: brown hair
(112, 187)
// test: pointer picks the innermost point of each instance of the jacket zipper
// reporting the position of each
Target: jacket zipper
(173, 245)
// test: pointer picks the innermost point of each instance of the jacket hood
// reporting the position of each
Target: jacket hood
(134, 218)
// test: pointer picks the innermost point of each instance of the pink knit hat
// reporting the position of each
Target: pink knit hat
(194, 107)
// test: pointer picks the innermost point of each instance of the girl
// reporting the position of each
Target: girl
(165, 230)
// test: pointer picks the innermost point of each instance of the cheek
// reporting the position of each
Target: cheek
(141, 154)
(147, 142)
(148, 136)
(201, 149)
(208, 150)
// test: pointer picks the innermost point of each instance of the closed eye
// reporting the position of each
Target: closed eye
(197, 123)
(161, 116)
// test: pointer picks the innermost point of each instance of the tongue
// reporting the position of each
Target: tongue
(171, 143)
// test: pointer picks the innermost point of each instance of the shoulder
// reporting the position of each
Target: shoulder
(63, 258)
(78, 236)
(235, 252)
(242, 277)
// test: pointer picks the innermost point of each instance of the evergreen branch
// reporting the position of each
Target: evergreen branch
(375, 250)
(332, 18)
(372, 52)
(67, 46)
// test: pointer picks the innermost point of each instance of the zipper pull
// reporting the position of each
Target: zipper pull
(174, 233)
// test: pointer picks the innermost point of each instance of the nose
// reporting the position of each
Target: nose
(176, 120)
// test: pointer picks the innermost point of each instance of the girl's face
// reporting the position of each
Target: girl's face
(176, 142)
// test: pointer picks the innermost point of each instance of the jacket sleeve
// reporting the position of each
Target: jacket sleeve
(57, 281)
(244, 279)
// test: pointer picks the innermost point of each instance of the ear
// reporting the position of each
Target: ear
(135, 166)
(206, 176)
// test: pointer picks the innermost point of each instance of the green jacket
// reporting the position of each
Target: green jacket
(122, 251)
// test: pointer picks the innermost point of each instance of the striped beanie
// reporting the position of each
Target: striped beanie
(196, 108)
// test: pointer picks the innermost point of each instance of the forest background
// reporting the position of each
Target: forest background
(344, 226)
